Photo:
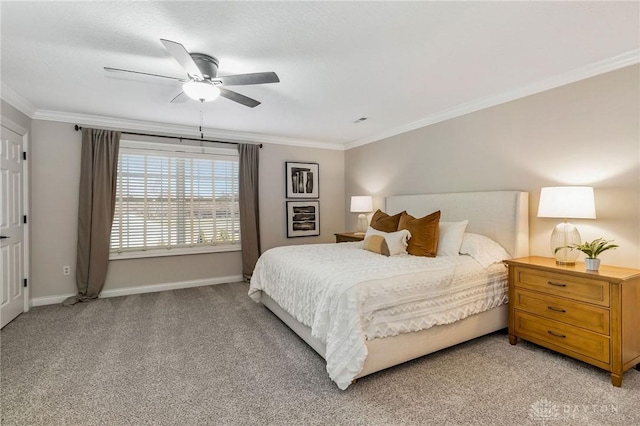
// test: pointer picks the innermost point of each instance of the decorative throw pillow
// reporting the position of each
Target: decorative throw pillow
(424, 233)
(450, 237)
(396, 241)
(385, 223)
(376, 244)
(483, 249)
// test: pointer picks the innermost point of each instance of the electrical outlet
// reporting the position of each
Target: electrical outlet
(66, 270)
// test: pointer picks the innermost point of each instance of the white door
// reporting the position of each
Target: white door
(11, 226)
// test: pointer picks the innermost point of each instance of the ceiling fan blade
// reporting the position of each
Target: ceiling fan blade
(237, 97)
(180, 98)
(244, 79)
(143, 73)
(181, 55)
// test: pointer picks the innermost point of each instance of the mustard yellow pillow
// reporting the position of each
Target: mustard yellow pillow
(385, 223)
(424, 233)
(376, 244)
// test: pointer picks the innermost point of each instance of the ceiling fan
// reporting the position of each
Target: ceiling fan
(202, 83)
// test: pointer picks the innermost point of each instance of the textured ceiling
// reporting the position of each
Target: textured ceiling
(398, 64)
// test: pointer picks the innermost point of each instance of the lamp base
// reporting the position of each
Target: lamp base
(362, 224)
(565, 234)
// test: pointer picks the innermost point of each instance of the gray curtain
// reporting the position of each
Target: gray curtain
(98, 167)
(249, 209)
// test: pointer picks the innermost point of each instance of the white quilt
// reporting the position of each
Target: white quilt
(347, 295)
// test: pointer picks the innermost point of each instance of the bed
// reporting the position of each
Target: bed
(348, 325)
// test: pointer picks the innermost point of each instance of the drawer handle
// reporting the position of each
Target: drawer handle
(551, 308)
(556, 334)
(556, 284)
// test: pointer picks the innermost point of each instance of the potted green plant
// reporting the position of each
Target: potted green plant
(592, 250)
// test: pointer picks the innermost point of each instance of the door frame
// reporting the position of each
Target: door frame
(15, 127)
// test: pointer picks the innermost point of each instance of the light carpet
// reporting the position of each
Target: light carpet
(210, 355)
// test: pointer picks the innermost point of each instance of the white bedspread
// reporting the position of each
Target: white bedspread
(347, 295)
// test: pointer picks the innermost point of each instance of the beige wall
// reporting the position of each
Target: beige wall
(586, 133)
(55, 155)
(55, 169)
(272, 200)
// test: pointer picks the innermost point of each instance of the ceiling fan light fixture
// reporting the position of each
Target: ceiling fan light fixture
(202, 81)
(201, 91)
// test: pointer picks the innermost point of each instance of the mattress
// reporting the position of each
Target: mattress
(348, 295)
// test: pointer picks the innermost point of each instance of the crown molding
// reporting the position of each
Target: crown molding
(631, 57)
(11, 97)
(611, 64)
(177, 130)
(15, 100)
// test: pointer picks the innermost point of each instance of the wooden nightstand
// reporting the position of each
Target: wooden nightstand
(593, 316)
(347, 237)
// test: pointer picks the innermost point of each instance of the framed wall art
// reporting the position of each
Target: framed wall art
(302, 180)
(303, 218)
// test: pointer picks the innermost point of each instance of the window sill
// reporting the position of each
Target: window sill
(173, 252)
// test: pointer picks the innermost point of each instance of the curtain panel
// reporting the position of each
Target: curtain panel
(249, 208)
(98, 173)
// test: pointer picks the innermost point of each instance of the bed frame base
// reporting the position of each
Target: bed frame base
(389, 351)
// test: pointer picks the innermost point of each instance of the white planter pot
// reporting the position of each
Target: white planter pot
(592, 264)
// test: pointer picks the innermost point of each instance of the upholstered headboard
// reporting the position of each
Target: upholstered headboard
(500, 215)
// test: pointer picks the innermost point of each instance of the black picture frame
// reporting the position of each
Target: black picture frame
(302, 180)
(303, 218)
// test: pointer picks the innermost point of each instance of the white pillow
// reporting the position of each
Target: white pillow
(396, 241)
(483, 249)
(450, 237)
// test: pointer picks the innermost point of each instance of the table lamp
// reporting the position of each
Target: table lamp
(362, 204)
(566, 202)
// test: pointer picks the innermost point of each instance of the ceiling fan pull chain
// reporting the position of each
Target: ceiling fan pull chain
(201, 121)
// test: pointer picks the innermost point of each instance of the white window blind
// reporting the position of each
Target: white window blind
(168, 200)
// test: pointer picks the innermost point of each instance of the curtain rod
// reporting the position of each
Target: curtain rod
(78, 128)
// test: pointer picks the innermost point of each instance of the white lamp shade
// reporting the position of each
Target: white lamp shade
(567, 202)
(361, 204)
(201, 91)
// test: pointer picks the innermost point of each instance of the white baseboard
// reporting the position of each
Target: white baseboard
(49, 300)
(52, 300)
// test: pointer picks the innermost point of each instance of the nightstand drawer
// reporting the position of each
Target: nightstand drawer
(562, 336)
(571, 287)
(574, 313)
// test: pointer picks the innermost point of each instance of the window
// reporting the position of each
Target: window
(170, 202)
